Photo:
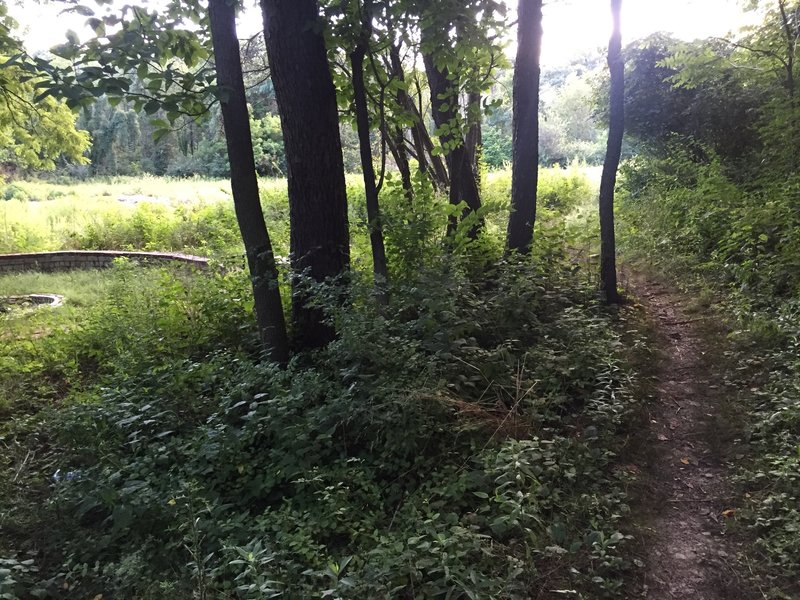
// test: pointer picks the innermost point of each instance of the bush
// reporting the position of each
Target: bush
(14, 192)
(682, 209)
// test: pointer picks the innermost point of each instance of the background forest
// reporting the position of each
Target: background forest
(406, 373)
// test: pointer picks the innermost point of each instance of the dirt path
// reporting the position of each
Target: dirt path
(686, 552)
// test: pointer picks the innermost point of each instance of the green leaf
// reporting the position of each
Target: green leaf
(82, 10)
(152, 107)
(159, 134)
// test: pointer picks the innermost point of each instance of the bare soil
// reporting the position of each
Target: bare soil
(686, 500)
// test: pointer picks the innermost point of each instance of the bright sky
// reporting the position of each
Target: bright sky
(572, 27)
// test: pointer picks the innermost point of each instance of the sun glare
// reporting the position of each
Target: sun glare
(577, 26)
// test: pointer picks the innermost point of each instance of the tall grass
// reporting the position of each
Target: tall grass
(197, 216)
(146, 213)
(81, 288)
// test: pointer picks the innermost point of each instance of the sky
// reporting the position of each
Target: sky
(571, 27)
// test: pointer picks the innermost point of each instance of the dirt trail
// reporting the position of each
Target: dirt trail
(686, 552)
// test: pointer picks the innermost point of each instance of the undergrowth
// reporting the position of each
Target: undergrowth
(458, 444)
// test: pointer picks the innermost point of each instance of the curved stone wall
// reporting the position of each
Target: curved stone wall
(67, 260)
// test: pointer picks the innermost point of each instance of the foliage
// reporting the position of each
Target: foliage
(35, 132)
(718, 111)
(568, 130)
(678, 208)
(457, 442)
(562, 190)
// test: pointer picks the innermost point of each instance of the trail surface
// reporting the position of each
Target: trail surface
(686, 551)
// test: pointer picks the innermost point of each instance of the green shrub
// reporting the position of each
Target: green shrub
(14, 192)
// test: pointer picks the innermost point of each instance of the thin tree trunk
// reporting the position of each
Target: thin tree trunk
(791, 43)
(474, 138)
(306, 98)
(419, 134)
(444, 107)
(616, 66)
(394, 135)
(525, 143)
(397, 146)
(380, 269)
(244, 182)
(435, 165)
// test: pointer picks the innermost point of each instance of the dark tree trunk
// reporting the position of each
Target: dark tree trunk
(423, 146)
(792, 32)
(244, 183)
(444, 107)
(394, 136)
(791, 48)
(474, 139)
(525, 144)
(380, 269)
(306, 98)
(616, 126)
(397, 146)
(434, 163)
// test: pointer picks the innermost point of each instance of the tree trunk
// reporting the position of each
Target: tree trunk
(379, 268)
(792, 39)
(394, 135)
(422, 138)
(423, 145)
(444, 107)
(525, 143)
(616, 66)
(306, 98)
(791, 45)
(397, 146)
(244, 183)
(474, 139)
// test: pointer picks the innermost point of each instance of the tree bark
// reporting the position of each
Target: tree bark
(380, 270)
(306, 98)
(525, 142)
(444, 107)
(423, 145)
(474, 139)
(616, 66)
(791, 44)
(394, 134)
(244, 182)
(422, 138)
(397, 146)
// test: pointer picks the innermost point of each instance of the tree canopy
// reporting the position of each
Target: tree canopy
(35, 131)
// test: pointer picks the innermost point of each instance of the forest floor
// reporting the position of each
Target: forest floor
(685, 453)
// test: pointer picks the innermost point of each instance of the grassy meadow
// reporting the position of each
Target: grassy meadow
(196, 215)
